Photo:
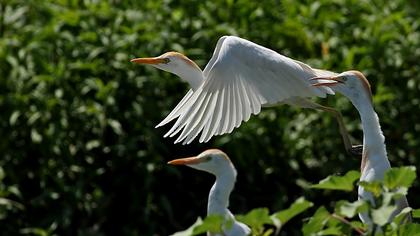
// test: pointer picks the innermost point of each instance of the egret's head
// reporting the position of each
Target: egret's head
(213, 161)
(173, 62)
(352, 84)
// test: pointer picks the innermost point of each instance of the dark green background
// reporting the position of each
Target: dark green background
(79, 151)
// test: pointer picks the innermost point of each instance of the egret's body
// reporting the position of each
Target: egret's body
(218, 163)
(239, 79)
(375, 163)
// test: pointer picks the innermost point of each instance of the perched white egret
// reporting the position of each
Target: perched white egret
(239, 79)
(374, 164)
(218, 163)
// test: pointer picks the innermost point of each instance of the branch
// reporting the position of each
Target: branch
(342, 219)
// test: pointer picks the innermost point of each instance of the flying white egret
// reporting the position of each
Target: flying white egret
(218, 163)
(239, 79)
(374, 164)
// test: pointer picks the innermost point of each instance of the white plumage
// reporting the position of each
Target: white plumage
(218, 163)
(375, 163)
(239, 79)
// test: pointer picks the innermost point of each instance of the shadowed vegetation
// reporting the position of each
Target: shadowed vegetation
(80, 154)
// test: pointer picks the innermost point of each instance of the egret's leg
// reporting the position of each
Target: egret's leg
(352, 150)
(356, 150)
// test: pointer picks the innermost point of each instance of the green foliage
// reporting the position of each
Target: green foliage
(350, 209)
(80, 153)
(400, 177)
(8, 205)
(257, 219)
(386, 202)
(297, 207)
(344, 183)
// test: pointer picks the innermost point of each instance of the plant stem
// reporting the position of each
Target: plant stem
(342, 219)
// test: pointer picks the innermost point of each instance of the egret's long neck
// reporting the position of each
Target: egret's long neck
(220, 192)
(192, 75)
(374, 149)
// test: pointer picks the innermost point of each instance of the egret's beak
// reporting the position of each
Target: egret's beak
(185, 161)
(328, 81)
(149, 60)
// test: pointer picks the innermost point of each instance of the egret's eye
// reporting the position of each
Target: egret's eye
(208, 158)
(166, 60)
(344, 78)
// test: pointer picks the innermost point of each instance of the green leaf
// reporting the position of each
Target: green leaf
(297, 207)
(13, 118)
(381, 215)
(35, 136)
(316, 222)
(402, 176)
(409, 230)
(330, 231)
(375, 187)
(256, 218)
(344, 183)
(212, 223)
(268, 232)
(2, 174)
(350, 209)
(34, 231)
(416, 213)
(8, 202)
(190, 230)
(402, 216)
(116, 126)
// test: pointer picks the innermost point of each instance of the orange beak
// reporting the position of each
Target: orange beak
(185, 161)
(149, 60)
(327, 81)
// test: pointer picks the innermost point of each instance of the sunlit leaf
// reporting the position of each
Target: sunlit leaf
(400, 176)
(36, 136)
(316, 222)
(330, 231)
(13, 118)
(350, 209)
(212, 223)
(34, 231)
(92, 144)
(256, 218)
(190, 230)
(409, 230)
(402, 216)
(416, 213)
(116, 126)
(344, 183)
(297, 207)
(381, 215)
(375, 187)
(8, 202)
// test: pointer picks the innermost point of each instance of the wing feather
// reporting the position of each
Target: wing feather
(217, 115)
(207, 130)
(238, 102)
(240, 78)
(233, 111)
(178, 110)
(204, 120)
(180, 122)
(196, 117)
(245, 101)
(226, 115)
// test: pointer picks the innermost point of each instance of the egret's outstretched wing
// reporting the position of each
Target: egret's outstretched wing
(177, 110)
(240, 78)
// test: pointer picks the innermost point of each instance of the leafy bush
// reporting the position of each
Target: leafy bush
(343, 220)
(81, 155)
